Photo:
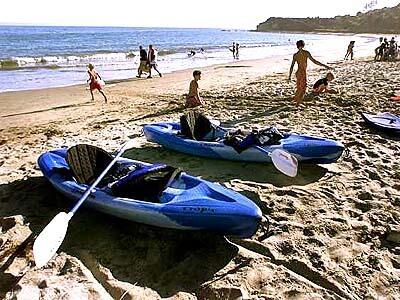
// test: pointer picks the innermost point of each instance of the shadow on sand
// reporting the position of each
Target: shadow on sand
(223, 170)
(167, 261)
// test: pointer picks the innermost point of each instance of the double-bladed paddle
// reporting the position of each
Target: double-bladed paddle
(50, 239)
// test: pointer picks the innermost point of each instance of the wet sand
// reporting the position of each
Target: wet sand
(335, 228)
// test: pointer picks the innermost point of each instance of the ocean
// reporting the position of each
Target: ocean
(34, 57)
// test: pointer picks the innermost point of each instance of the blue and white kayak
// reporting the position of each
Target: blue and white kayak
(384, 121)
(187, 203)
(305, 148)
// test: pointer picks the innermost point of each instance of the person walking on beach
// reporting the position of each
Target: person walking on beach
(350, 52)
(94, 83)
(152, 59)
(143, 66)
(237, 51)
(301, 58)
(193, 99)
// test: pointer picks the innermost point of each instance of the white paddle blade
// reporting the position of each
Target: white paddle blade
(285, 162)
(215, 122)
(130, 144)
(50, 239)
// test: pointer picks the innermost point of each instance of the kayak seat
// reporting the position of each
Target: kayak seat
(87, 162)
(146, 183)
(196, 126)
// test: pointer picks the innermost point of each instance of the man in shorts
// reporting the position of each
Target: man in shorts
(143, 66)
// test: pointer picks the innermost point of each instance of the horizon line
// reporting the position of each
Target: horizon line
(116, 26)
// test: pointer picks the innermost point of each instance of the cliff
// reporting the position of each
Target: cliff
(385, 20)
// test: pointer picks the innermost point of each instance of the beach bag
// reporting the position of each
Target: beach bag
(101, 82)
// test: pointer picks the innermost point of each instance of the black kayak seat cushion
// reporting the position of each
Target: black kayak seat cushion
(145, 183)
(87, 162)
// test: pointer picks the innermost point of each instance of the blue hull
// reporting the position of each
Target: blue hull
(304, 148)
(189, 203)
(387, 122)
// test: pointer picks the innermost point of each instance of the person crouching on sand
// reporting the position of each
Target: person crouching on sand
(94, 84)
(193, 99)
(322, 85)
(301, 58)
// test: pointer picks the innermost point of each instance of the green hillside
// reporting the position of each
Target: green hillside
(385, 20)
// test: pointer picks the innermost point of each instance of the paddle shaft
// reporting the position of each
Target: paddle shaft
(96, 182)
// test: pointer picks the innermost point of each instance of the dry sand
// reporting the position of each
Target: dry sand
(335, 228)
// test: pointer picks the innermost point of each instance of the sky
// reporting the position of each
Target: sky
(232, 14)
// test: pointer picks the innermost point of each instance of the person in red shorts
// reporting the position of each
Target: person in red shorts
(301, 58)
(94, 83)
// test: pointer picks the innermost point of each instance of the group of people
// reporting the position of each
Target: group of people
(387, 50)
(301, 57)
(193, 52)
(148, 61)
(235, 50)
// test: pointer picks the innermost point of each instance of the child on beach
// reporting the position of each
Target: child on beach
(301, 58)
(193, 99)
(94, 83)
(322, 85)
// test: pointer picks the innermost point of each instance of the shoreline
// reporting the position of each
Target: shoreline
(66, 75)
(13, 103)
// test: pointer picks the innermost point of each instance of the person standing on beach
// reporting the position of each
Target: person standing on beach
(237, 51)
(301, 58)
(94, 83)
(350, 51)
(143, 66)
(233, 50)
(152, 59)
(193, 99)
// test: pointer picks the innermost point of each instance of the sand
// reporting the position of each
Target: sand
(335, 228)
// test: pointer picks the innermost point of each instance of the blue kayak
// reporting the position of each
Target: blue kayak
(305, 148)
(384, 121)
(187, 202)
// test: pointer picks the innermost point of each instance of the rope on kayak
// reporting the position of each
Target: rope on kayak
(264, 226)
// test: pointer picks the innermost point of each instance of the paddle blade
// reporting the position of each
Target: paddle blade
(216, 123)
(50, 239)
(285, 162)
(129, 144)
